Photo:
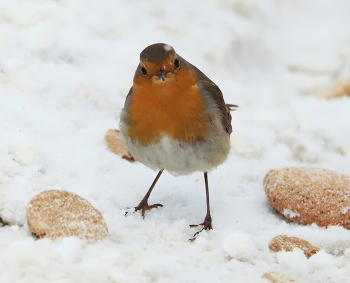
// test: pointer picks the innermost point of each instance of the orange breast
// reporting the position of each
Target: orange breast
(172, 107)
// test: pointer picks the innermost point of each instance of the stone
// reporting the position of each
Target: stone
(310, 195)
(288, 244)
(53, 214)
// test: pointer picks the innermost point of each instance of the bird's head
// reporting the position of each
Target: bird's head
(159, 64)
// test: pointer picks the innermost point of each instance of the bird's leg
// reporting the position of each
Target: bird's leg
(207, 220)
(143, 206)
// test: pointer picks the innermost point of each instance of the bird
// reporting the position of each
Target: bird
(175, 119)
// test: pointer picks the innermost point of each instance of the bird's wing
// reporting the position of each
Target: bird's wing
(128, 98)
(211, 89)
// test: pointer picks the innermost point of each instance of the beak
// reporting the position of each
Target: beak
(162, 75)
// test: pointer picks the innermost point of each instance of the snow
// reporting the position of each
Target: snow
(167, 47)
(290, 213)
(65, 70)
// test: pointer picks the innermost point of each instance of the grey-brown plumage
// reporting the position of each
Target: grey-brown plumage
(156, 53)
(209, 87)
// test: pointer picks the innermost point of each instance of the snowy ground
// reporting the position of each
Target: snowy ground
(65, 69)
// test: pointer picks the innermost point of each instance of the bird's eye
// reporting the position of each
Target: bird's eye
(143, 71)
(177, 63)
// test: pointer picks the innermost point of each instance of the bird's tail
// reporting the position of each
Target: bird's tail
(232, 107)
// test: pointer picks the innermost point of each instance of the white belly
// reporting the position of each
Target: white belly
(180, 158)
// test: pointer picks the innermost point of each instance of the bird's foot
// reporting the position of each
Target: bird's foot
(143, 206)
(206, 226)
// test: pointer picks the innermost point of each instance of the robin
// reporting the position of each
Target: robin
(175, 119)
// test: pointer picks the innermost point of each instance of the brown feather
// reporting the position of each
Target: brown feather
(215, 93)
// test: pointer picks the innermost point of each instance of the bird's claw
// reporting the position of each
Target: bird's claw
(206, 226)
(144, 206)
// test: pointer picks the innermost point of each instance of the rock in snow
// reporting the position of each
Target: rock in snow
(310, 195)
(54, 214)
(283, 242)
